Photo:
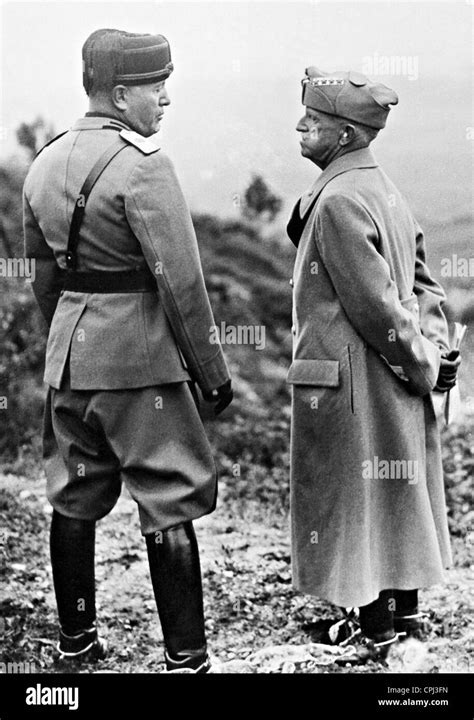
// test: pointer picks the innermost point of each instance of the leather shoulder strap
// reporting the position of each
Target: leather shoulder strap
(80, 206)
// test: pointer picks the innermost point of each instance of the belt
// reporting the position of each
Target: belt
(128, 281)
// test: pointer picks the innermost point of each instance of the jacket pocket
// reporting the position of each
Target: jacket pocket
(323, 373)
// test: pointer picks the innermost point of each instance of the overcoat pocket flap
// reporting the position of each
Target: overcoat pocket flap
(314, 372)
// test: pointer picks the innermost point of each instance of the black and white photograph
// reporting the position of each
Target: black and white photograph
(236, 353)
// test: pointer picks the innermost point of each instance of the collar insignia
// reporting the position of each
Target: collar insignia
(145, 145)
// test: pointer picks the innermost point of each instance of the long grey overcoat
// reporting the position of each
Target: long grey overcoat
(367, 499)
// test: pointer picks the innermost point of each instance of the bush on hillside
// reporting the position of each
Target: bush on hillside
(22, 348)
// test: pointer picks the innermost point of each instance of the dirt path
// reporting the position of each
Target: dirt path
(250, 603)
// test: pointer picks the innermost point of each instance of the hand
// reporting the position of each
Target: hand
(222, 396)
(447, 371)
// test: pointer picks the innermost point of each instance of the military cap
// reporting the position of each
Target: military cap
(114, 57)
(348, 95)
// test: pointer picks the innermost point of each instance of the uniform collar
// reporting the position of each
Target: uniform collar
(362, 158)
(98, 122)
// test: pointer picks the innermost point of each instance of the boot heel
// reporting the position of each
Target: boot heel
(198, 665)
(84, 647)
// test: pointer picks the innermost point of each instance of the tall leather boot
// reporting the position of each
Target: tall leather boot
(175, 572)
(72, 544)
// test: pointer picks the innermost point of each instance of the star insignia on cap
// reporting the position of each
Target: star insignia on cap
(326, 81)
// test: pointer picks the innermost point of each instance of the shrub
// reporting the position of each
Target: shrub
(22, 348)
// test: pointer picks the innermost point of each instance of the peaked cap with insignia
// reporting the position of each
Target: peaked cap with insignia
(348, 95)
(114, 57)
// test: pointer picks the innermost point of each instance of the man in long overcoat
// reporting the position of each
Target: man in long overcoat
(120, 284)
(368, 510)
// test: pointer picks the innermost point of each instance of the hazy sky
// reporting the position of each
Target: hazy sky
(235, 91)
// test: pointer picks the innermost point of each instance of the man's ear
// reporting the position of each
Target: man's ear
(347, 135)
(120, 97)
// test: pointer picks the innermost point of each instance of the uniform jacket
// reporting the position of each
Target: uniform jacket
(135, 216)
(368, 334)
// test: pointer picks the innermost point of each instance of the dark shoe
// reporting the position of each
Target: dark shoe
(416, 626)
(368, 650)
(197, 664)
(84, 647)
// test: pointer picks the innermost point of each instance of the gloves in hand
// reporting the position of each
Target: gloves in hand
(447, 371)
(222, 397)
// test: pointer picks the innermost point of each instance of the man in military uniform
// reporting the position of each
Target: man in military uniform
(120, 284)
(370, 344)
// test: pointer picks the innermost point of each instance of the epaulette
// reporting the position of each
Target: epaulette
(145, 145)
(49, 143)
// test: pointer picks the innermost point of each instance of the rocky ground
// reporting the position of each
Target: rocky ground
(256, 622)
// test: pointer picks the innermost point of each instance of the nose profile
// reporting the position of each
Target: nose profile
(301, 126)
(165, 98)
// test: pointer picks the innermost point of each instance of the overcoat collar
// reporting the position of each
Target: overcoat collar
(362, 158)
